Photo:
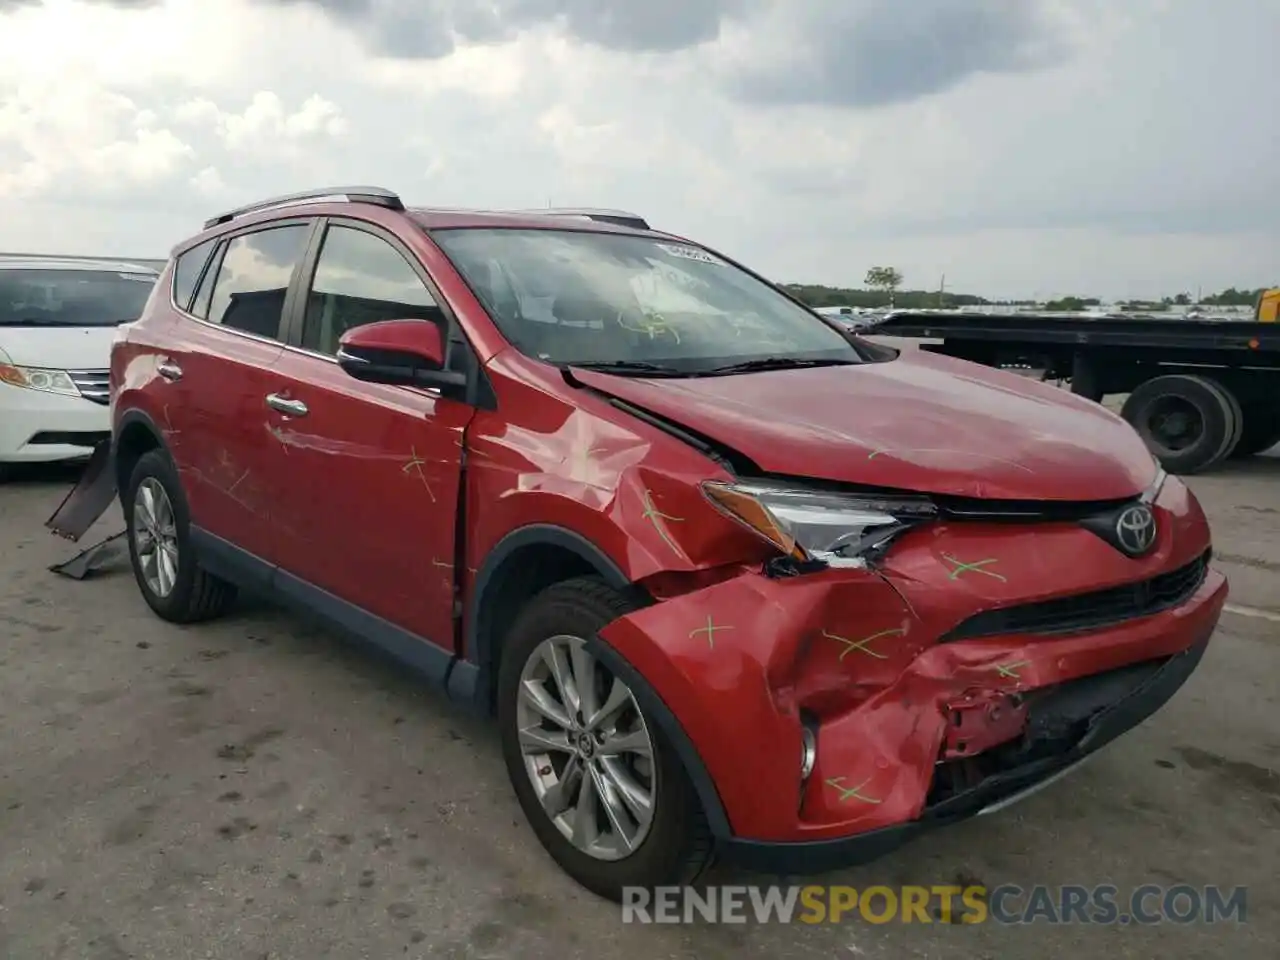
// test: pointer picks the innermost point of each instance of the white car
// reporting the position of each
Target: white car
(58, 318)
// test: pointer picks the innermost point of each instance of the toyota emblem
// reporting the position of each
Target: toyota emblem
(1136, 530)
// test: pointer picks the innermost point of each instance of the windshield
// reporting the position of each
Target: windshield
(574, 297)
(72, 298)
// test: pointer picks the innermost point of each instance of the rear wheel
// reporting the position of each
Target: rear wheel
(601, 788)
(1189, 423)
(1261, 429)
(1237, 415)
(160, 549)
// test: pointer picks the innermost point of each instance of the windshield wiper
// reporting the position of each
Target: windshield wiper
(28, 322)
(774, 363)
(639, 367)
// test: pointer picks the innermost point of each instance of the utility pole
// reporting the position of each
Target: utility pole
(942, 288)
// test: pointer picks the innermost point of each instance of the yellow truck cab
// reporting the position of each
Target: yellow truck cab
(1268, 305)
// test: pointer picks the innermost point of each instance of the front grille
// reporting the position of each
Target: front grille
(1025, 511)
(1089, 611)
(92, 384)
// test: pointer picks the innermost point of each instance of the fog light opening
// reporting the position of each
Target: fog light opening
(808, 752)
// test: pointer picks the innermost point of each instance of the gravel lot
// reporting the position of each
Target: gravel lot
(256, 788)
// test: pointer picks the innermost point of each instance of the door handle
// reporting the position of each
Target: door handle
(291, 408)
(169, 370)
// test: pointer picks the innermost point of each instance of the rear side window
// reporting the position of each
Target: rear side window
(72, 298)
(186, 273)
(200, 306)
(253, 279)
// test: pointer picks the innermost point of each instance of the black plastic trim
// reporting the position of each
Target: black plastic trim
(1095, 610)
(127, 419)
(224, 559)
(478, 650)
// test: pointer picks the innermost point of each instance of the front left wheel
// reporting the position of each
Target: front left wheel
(599, 784)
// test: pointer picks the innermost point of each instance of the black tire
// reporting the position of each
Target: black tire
(1213, 428)
(678, 847)
(1261, 430)
(1237, 415)
(197, 595)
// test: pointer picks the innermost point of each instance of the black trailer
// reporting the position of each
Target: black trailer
(1199, 390)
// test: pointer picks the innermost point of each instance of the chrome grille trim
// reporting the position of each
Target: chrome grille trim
(93, 384)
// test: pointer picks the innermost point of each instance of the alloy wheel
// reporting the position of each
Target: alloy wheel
(155, 536)
(587, 749)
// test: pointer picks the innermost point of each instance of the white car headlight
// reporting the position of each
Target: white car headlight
(837, 529)
(38, 378)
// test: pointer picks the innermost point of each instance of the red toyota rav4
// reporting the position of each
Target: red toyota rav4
(733, 580)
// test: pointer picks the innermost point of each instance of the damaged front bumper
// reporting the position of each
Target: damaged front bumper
(827, 718)
(1152, 685)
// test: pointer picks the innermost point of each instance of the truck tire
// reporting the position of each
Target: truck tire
(672, 844)
(1261, 430)
(1187, 422)
(1237, 415)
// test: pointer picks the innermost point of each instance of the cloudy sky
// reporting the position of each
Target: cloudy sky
(1021, 147)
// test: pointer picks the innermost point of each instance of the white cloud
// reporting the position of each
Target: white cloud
(266, 125)
(66, 135)
(1016, 145)
(208, 181)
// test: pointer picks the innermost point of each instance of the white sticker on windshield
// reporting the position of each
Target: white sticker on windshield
(689, 253)
(140, 277)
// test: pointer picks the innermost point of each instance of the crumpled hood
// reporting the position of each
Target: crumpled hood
(922, 422)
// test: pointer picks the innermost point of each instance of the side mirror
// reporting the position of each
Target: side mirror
(406, 353)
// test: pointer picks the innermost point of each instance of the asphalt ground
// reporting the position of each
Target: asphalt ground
(257, 788)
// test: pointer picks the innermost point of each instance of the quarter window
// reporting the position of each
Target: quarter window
(186, 273)
(360, 279)
(200, 306)
(253, 279)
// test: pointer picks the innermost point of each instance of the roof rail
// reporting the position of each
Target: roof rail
(378, 196)
(620, 218)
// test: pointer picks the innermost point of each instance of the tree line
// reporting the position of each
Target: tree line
(882, 287)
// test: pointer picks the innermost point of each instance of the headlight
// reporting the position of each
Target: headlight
(37, 378)
(834, 528)
(1152, 492)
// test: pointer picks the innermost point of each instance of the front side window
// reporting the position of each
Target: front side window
(576, 297)
(253, 279)
(361, 279)
(72, 298)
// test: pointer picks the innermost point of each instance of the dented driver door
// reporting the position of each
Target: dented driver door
(373, 470)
